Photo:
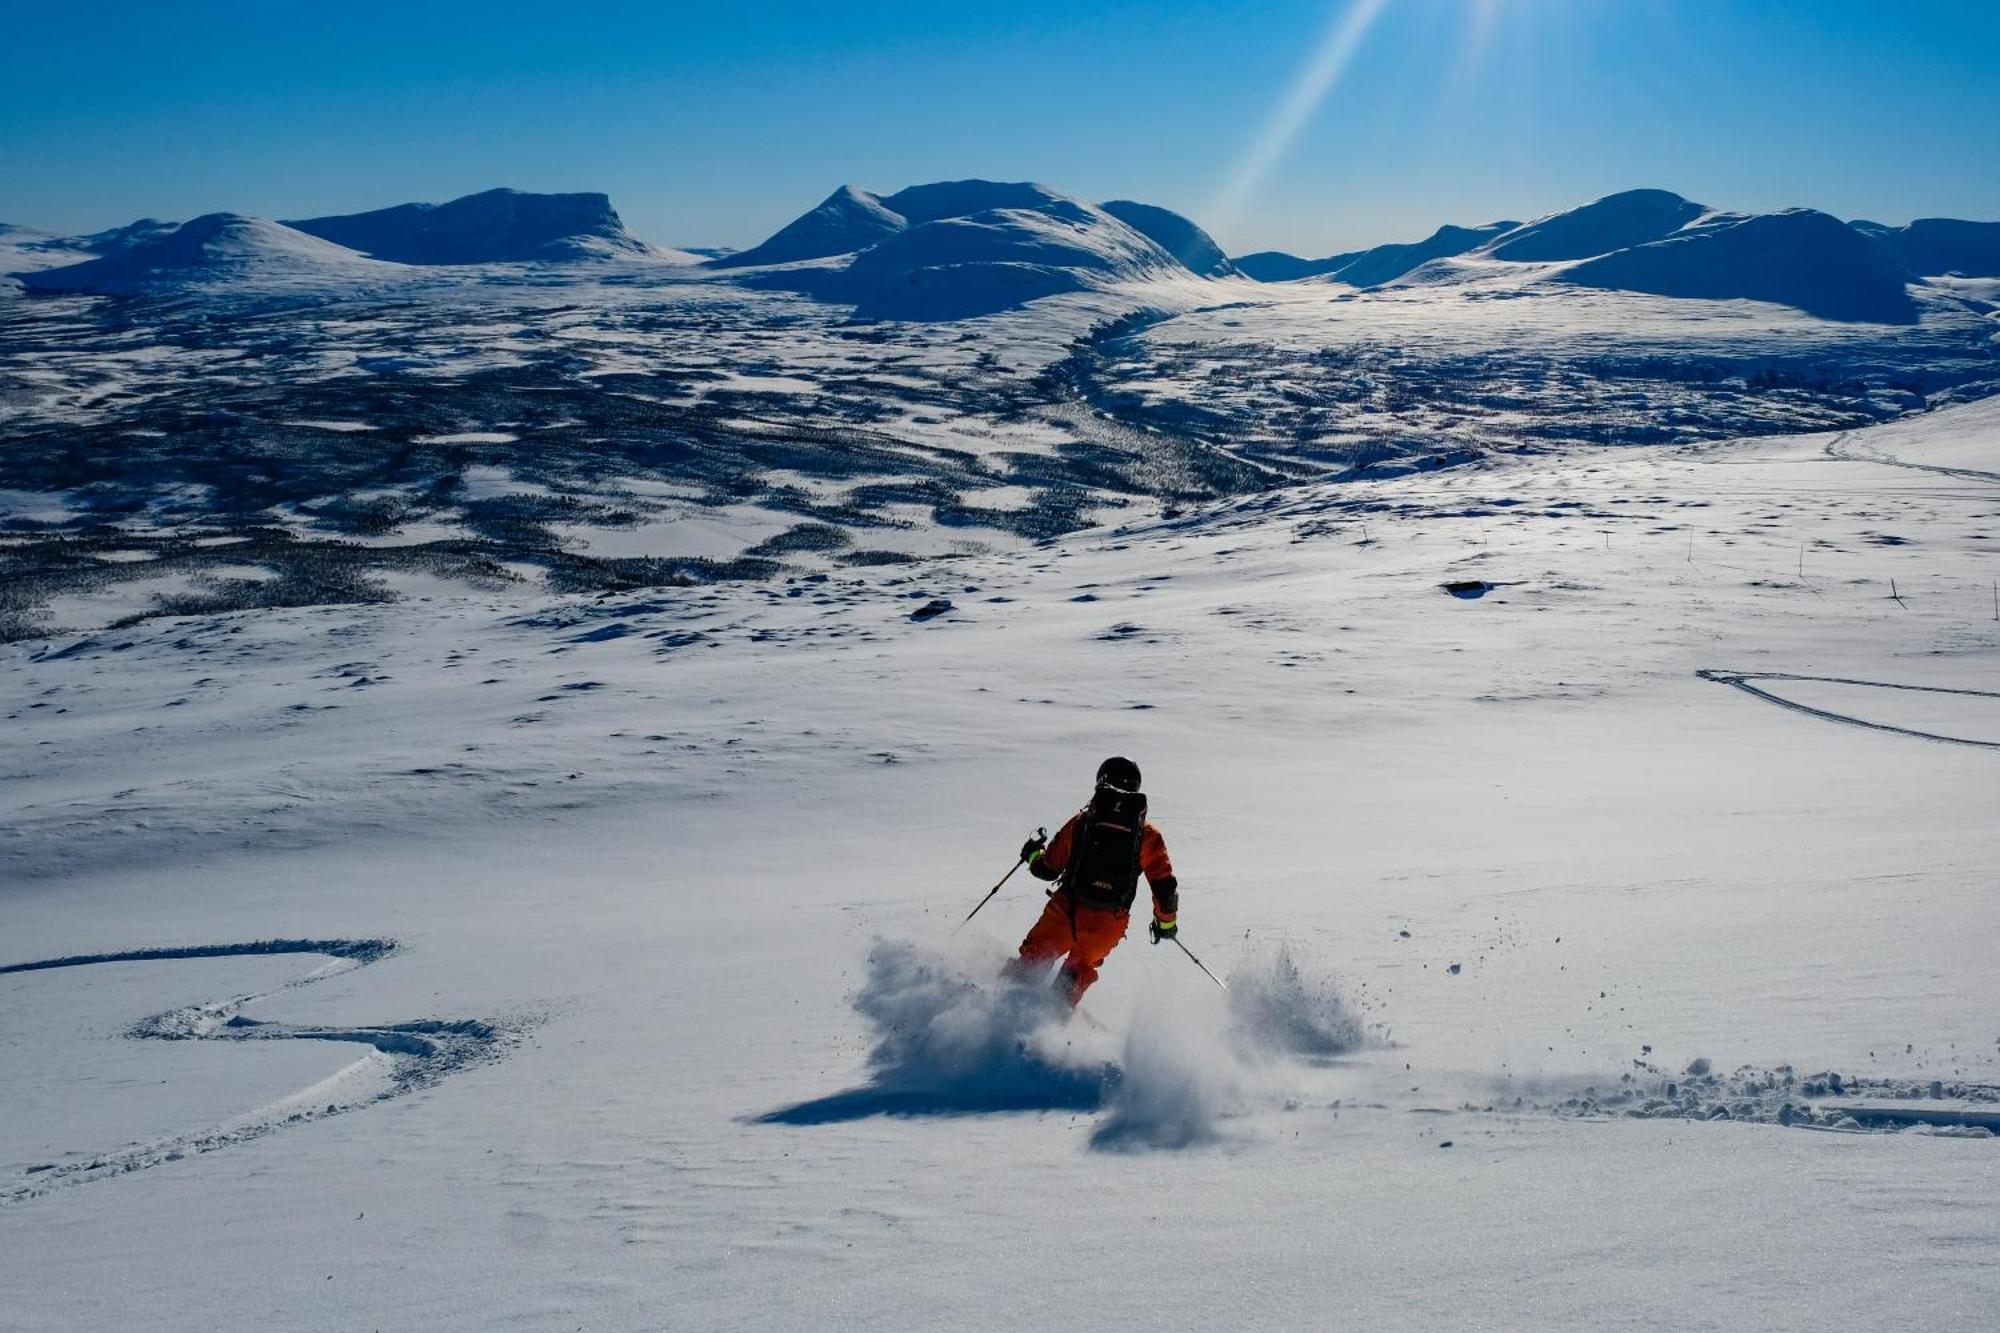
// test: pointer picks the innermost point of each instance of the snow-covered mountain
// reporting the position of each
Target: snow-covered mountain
(1614, 222)
(1386, 263)
(1801, 258)
(1176, 234)
(1659, 243)
(845, 221)
(1936, 247)
(218, 249)
(957, 249)
(494, 226)
(1278, 266)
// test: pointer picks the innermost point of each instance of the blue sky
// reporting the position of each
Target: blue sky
(715, 124)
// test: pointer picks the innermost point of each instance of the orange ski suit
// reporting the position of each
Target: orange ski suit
(1085, 932)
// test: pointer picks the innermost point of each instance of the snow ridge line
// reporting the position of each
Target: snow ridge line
(1741, 680)
(420, 1054)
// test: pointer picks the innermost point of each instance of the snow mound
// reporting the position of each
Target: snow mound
(948, 1045)
(1800, 258)
(1386, 263)
(1935, 247)
(218, 247)
(1615, 222)
(845, 221)
(496, 226)
(1177, 235)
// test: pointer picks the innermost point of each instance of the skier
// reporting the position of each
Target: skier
(1096, 860)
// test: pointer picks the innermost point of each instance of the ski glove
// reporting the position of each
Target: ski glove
(1032, 849)
(1164, 930)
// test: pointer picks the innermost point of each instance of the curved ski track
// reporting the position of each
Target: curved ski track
(1741, 680)
(422, 1053)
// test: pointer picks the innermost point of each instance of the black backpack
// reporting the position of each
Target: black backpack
(1103, 866)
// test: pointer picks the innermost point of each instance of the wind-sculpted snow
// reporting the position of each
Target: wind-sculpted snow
(407, 1056)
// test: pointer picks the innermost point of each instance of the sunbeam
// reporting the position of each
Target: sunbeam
(1315, 81)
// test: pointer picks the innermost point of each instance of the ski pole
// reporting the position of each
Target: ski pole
(1003, 881)
(1198, 963)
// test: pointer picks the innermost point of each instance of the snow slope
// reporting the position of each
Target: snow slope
(495, 226)
(217, 249)
(1552, 945)
(1177, 235)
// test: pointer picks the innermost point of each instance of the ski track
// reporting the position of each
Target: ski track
(1836, 448)
(422, 1053)
(1741, 680)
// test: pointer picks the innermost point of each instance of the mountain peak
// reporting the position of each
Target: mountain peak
(1615, 222)
(493, 226)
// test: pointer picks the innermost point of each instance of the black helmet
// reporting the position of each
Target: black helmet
(1119, 774)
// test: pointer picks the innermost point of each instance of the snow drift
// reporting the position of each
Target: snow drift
(1800, 258)
(216, 248)
(496, 226)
